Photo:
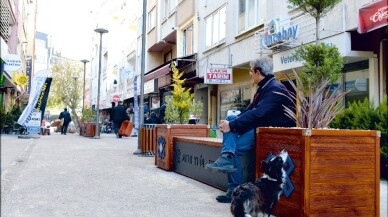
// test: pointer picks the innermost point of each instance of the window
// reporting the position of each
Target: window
(151, 19)
(169, 6)
(168, 56)
(356, 79)
(188, 41)
(248, 14)
(215, 28)
(234, 99)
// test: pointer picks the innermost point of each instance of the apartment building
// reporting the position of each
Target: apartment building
(17, 43)
(204, 38)
(118, 48)
(231, 33)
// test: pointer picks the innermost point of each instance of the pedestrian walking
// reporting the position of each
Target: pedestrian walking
(119, 116)
(65, 115)
(162, 112)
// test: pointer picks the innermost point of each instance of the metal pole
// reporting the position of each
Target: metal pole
(96, 135)
(143, 41)
(83, 96)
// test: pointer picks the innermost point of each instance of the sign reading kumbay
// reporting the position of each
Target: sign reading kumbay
(219, 76)
(29, 116)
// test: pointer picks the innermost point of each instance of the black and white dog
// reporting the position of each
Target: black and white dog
(250, 199)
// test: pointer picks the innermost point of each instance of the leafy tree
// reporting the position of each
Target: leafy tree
(181, 96)
(316, 8)
(66, 91)
(322, 63)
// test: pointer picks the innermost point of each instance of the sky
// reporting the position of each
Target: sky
(68, 22)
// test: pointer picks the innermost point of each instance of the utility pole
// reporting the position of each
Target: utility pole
(143, 41)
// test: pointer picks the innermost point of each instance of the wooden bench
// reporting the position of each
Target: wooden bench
(191, 154)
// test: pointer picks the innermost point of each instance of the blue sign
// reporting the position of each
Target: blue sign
(274, 35)
(135, 103)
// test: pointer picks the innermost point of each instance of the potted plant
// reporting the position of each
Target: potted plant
(87, 124)
(329, 172)
(178, 109)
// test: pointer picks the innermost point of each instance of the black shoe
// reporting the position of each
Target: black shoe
(227, 198)
(225, 163)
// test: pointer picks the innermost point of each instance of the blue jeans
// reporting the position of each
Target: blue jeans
(238, 145)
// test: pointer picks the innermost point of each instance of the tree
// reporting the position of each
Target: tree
(316, 104)
(66, 91)
(178, 108)
(316, 8)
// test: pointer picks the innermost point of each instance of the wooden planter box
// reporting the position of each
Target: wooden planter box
(330, 172)
(90, 129)
(164, 153)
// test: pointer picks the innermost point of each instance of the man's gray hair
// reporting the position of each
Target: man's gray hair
(264, 64)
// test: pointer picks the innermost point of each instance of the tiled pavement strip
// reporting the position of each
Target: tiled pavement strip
(70, 175)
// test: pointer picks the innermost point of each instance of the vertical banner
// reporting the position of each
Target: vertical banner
(42, 101)
(135, 103)
(29, 114)
(28, 71)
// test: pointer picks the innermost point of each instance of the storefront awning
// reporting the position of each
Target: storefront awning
(163, 70)
(372, 16)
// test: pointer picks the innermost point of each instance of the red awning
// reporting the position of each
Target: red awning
(157, 73)
(373, 16)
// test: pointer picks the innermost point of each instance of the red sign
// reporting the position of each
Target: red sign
(116, 98)
(373, 16)
(218, 76)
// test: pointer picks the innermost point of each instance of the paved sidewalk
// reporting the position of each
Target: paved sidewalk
(76, 176)
(70, 176)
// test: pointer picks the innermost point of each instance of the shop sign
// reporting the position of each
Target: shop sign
(275, 35)
(149, 86)
(12, 63)
(28, 71)
(286, 61)
(21, 80)
(219, 76)
(155, 103)
(373, 16)
(116, 98)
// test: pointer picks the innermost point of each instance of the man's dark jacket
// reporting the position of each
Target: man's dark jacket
(266, 109)
(66, 117)
(119, 114)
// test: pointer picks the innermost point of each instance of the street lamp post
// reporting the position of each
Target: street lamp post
(83, 95)
(101, 31)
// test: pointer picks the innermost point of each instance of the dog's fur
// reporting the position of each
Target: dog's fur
(250, 199)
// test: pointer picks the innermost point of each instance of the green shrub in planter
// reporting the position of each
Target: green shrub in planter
(88, 115)
(362, 115)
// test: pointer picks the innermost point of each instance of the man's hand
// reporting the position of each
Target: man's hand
(224, 126)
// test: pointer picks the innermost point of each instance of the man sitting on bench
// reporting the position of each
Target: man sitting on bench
(265, 110)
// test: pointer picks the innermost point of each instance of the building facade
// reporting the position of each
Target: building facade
(17, 43)
(214, 41)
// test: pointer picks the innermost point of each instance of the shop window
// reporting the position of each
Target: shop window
(356, 79)
(234, 99)
(215, 28)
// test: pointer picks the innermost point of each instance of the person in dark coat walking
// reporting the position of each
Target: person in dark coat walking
(66, 120)
(266, 109)
(153, 119)
(119, 116)
(162, 112)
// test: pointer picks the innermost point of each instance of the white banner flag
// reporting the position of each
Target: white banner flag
(36, 87)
